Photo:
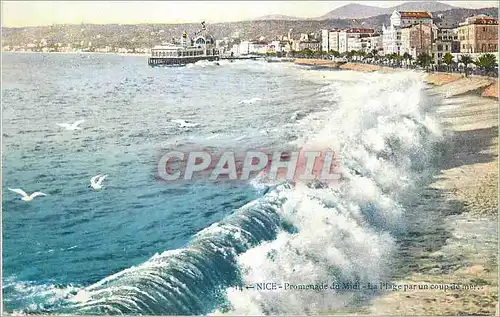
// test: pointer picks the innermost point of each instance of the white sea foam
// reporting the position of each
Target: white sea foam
(40, 295)
(344, 234)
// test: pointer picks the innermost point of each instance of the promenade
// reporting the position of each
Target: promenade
(482, 85)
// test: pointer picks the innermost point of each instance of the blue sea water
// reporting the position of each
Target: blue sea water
(143, 246)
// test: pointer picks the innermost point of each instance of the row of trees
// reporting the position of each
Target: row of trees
(486, 62)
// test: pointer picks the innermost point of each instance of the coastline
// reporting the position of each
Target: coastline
(460, 246)
(483, 86)
(79, 52)
(454, 220)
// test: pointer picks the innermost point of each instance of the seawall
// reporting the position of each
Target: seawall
(450, 83)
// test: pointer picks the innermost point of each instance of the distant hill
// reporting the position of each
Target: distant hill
(360, 11)
(148, 35)
(353, 11)
(430, 6)
(277, 17)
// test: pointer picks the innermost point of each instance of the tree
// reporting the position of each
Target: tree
(398, 58)
(362, 54)
(424, 60)
(388, 57)
(407, 57)
(487, 62)
(410, 58)
(334, 53)
(448, 59)
(466, 60)
(393, 58)
(307, 52)
(351, 54)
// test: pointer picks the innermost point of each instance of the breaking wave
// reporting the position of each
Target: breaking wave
(295, 233)
(346, 234)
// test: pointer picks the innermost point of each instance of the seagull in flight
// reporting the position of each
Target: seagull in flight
(185, 124)
(73, 126)
(95, 182)
(25, 196)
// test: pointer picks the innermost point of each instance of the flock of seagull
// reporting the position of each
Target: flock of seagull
(95, 181)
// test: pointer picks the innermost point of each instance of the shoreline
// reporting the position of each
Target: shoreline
(459, 243)
(483, 86)
(454, 220)
(81, 53)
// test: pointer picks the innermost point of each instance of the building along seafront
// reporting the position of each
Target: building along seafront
(401, 19)
(418, 39)
(349, 39)
(446, 40)
(187, 50)
(478, 34)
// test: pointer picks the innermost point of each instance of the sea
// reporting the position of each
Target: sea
(142, 246)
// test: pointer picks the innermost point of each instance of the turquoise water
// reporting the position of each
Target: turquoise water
(78, 236)
(135, 247)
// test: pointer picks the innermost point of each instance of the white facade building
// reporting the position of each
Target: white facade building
(354, 39)
(251, 47)
(406, 18)
(391, 40)
(258, 48)
(235, 50)
(244, 48)
(325, 45)
(374, 43)
(330, 40)
(275, 46)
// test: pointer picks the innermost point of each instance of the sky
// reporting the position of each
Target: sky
(36, 13)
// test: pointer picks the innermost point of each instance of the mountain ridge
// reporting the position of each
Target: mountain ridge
(361, 11)
(281, 17)
(148, 35)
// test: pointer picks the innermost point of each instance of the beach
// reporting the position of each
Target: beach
(454, 222)
(466, 190)
(484, 86)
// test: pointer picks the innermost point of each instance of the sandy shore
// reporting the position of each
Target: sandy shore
(452, 236)
(484, 86)
(455, 223)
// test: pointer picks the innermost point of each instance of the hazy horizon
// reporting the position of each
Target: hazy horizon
(31, 13)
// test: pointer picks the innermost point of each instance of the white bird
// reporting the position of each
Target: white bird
(95, 182)
(249, 101)
(25, 196)
(73, 126)
(185, 124)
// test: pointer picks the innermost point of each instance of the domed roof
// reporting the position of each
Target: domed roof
(210, 39)
(204, 39)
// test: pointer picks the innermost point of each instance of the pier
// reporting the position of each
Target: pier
(179, 61)
(239, 57)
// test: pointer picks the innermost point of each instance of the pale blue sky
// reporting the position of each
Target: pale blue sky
(32, 13)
